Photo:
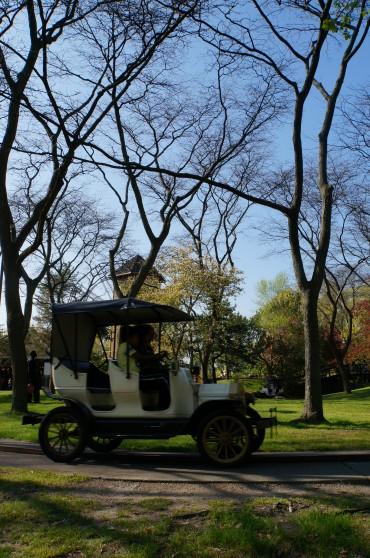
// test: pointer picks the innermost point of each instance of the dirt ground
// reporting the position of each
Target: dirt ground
(197, 492)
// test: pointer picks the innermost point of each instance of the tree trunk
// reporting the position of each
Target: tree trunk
(205, 364)
(214, 376)
(344, 374)
(313, 409)
(16, 334)
(339, 356)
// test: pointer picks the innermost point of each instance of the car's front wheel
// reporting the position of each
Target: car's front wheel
(63, 434)
(225, 438)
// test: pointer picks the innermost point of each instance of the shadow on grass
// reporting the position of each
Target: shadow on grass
(356, 395)
(349, 424)
(326, 424)
(60, 519)
(50, 513)
(302, 424)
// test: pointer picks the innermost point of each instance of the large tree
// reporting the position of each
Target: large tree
(293, 40)
(176, 126)
(56, 91)
(298, 65)
(347, 262)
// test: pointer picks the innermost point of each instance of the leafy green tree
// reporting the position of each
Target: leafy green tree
(205, 290)
(268, 288)
(240, 346)
(38, 339)
(281, 319)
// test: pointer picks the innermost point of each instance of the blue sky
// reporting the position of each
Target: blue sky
(252, 255)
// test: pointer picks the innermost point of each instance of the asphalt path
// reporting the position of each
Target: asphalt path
(172, 467)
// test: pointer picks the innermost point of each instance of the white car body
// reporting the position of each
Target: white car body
(125, 399)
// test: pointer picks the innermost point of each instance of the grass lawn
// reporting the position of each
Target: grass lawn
(54, 516)
(347, 427)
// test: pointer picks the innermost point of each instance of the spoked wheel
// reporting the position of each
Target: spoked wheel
(103, 444)
(63, 434)
(258, 433)
(225, 438)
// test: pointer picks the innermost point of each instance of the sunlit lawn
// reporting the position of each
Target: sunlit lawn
(11, 424)
(347, 427)
(45, 515)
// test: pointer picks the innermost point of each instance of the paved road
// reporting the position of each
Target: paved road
(309, 467)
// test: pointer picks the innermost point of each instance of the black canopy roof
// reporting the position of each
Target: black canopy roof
(122, 311)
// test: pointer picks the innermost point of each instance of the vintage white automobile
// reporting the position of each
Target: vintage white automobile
(102, 408)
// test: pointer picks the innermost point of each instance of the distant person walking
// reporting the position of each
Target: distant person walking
(34, 379)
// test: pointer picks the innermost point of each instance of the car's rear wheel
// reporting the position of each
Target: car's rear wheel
(225, 438)
(258, 433)
(103, 444)
(63, 434)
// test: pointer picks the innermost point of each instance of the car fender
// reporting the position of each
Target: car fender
(80, 408)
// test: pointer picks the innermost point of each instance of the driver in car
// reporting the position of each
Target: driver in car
(147, 336)
(127, 350)
(136, 345)
(154, 382)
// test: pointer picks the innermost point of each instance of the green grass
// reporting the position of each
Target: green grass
(43, 515)
(11, 423)
(235, 532)
(347, 426)
(252, 385)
